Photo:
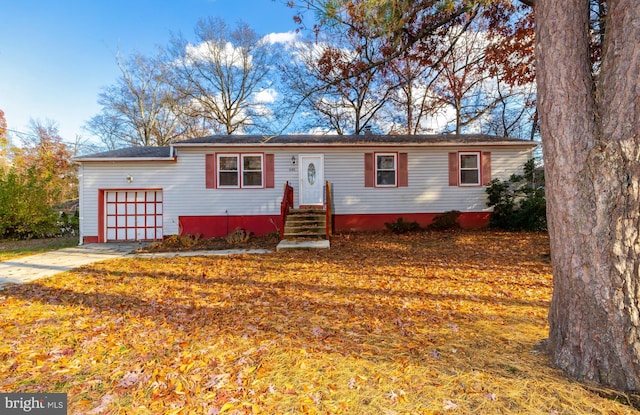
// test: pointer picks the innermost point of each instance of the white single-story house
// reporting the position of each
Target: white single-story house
(212, 185)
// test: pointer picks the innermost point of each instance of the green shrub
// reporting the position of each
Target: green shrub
(518, 203)
(25, 211)
(402, 226)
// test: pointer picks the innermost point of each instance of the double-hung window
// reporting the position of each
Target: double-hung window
(240, 170)
(469, 163)
(251, 170)
(228, 170)
(386, 169)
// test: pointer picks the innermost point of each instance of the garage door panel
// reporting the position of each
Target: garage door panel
(133, 215)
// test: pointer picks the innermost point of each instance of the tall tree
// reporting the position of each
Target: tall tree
(44, 151)
(590, 127)
(326, 80)
(464, 83)
(220, 75)
(140, 109)
(591, 134)
(413, 101)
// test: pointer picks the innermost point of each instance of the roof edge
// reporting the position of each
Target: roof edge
(121, 159)
(364, 144)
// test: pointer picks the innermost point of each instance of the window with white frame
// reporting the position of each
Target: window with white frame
(228, 170)
(469, 163)
(252, 170)
(240, 170)
(386, 168)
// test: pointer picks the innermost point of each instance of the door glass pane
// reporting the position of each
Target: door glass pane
(311, 173)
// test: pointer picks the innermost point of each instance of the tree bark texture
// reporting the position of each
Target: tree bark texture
(591, 140)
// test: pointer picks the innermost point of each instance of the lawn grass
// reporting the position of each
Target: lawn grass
(10, 249)
(425, 323)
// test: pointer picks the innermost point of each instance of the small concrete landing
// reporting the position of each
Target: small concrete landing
(301, 244)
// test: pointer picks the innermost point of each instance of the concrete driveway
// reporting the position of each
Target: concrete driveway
(33, 267)
(37, 266)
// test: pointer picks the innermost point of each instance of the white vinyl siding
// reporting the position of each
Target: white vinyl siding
(183, 183)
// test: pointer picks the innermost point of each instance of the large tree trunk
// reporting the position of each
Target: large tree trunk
(591, 139)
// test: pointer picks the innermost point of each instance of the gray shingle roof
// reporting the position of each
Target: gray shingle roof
(137, 153)
(131, 152)
(346, 139)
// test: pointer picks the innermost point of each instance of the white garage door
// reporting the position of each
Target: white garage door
(134, 215)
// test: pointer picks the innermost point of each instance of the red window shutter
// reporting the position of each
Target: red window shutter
(486, 167)
(369, 171)
(453, 169)
(269, 181)
(210, 171)
(403, 170)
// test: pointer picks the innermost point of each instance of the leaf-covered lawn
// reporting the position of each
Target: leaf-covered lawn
(425, 323)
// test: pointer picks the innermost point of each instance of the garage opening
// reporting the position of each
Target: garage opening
(133, 215)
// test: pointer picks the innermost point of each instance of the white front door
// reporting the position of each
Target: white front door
(311, 170)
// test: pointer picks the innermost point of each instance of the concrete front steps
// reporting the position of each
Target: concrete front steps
(305, 229)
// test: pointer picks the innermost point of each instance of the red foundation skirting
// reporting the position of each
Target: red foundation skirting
(220, 226)
(375, 222)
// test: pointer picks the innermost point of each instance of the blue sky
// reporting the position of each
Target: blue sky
(55, 56)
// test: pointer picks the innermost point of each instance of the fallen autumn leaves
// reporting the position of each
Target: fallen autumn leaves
(380, 324)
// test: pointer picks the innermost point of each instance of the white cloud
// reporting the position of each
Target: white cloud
(286, 38)
(207, 51)
(266, 96)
